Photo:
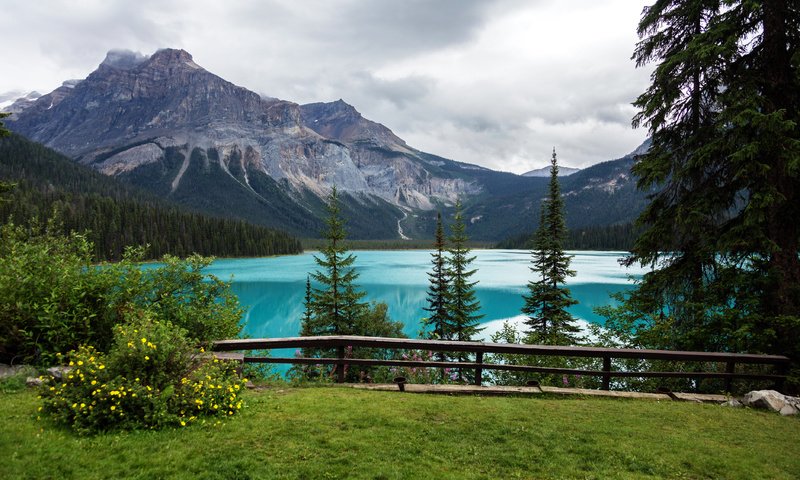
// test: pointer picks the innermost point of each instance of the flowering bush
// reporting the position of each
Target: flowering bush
(150, 378)
(428, 375)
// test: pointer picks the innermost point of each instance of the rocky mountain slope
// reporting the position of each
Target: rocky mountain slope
(164, 123)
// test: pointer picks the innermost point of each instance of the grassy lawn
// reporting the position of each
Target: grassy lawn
(331, 432)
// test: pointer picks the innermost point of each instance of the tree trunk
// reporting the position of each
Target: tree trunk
(783, 227)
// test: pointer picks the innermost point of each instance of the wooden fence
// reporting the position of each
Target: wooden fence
(341, 343)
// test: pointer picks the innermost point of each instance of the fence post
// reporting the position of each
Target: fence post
(730, 367)
(340, 365)
(781, 369)
(607, 374)
(478, 369)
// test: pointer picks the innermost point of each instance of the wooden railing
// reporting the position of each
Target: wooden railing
(341, 343)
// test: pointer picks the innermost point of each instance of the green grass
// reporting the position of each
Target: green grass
(343, 433)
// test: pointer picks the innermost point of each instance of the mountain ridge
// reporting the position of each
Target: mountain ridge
(164, 123)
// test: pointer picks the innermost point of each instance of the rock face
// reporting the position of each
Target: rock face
(164, 123)
(772, 400)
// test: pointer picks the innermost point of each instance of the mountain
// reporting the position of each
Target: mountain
(15, 102)
(604, 194)
(545, 172)
(164, 123)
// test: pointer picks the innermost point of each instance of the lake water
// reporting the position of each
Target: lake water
(272, 289)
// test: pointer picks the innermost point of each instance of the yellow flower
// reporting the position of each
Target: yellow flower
(83, 405)
(146, 357)
(183, 424)
(144, 340)
(113, 408)
(80, 362)
(101, 367)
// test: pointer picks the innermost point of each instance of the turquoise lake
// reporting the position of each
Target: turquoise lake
(272, 289)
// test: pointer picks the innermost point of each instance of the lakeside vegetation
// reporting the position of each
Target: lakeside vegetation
(345, 433)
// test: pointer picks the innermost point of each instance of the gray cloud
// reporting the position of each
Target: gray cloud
(498, 83)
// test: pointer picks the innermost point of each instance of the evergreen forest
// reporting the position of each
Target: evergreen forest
(600, 237)
(44, 182)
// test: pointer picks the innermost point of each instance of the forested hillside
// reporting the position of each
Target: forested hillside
(608, 237)
(116, 215)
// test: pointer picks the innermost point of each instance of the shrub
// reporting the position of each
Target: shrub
(48, 297)
(177, 290)
(54, 299)
(150, 378)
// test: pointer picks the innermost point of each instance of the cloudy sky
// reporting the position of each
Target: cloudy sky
(498, 83)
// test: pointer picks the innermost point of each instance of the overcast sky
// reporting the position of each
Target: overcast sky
(497, 83)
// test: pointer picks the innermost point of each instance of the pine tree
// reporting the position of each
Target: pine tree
(337, 304)
(723, 111)
(438, 292)
(308, 313)
(547, 300)
(4, 186)
(439, 288)
(462, 305)
(336, 307)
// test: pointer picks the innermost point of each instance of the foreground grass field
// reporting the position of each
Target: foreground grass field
(343, 433)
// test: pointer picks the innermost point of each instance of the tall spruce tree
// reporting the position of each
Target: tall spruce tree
(723, 111)
(337, 304)
(308, 308)
(462, 305)
(439, 287)
(547, 300)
